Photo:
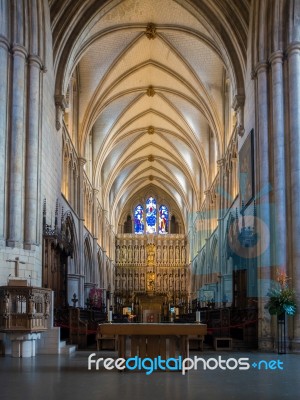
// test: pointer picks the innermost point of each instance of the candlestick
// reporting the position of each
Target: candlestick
(110, 317)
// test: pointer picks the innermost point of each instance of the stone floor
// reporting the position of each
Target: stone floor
(68, 378)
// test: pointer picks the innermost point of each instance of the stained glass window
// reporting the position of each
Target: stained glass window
(163, 219)
(151, 215)
(139, 219)
(155, 222)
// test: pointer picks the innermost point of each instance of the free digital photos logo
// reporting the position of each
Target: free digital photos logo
(149, 365)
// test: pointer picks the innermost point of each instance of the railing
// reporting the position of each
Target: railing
(24, 309)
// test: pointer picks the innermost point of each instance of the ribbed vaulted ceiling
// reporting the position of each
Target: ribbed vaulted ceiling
(151, 99)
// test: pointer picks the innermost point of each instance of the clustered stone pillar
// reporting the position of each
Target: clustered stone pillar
(4, 47)
(81, 162)
(21, 46)
(32, 153)
(263, 208)
(17, 145)
(95, 237)
(293, 52)
(278, 140)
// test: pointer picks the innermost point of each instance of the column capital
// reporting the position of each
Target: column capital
(293, 48)
(276, 57)
(61, 104)
(238, 106)
(19, 50)
(238, 101)
(221, 162)
(260, 67)
(36, 61)
(81, 161)
(60, 100)
(4, 43)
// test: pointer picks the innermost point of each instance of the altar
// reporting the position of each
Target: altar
(152, 340)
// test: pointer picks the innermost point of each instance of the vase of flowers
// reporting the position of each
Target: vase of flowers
(281, 297)
(281, 302)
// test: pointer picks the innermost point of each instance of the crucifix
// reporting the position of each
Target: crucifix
(17, 263)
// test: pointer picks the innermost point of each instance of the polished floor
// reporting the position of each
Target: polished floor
(68, 378)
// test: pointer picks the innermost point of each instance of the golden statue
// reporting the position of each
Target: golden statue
(150, 254)
(150, 281)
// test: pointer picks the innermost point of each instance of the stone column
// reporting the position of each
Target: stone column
(222, 194)
(81, 162)
(4, 79)
(207, 214)
(95, 238)
(234, 177)
(293, 52)
(104, 244)
(104, 233)
(111, 247)
(221, 191)
(263, 208)
(32, 154)
(279, 181)
(18, 124)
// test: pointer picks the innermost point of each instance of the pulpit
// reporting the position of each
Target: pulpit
(24, 312)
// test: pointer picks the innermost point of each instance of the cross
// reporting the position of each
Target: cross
(17, 262)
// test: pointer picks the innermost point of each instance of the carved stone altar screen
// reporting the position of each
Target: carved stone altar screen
(149, 266)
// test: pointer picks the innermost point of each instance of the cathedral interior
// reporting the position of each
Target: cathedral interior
(149, 164)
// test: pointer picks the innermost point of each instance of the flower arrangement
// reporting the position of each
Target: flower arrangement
(281, 296)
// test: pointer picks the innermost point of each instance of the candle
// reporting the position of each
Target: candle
(198, 317)
(110, 316)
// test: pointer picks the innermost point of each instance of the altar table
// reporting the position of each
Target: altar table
(152, 340)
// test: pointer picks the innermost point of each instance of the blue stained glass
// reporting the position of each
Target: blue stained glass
(139, 219)
(151, 215)
(163, 219)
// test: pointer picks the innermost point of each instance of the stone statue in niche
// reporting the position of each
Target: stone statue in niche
(183, 286)
(183, 254)
(142, 253)
(124, 281)
(129, 254)
(165, 255)
(171, 283)
(143, 281)
(118, 254)
(177, 282)
(171, 256)
(177, 254)
(124, 254)
(158, 253)
(118, 281)
(136, 281)
(165, 282)
(130, 281)
(158, 282)
(136, 254)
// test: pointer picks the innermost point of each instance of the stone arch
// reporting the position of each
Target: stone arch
(214, 256)
(88, 261)
(70, 233)
(100, 268)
